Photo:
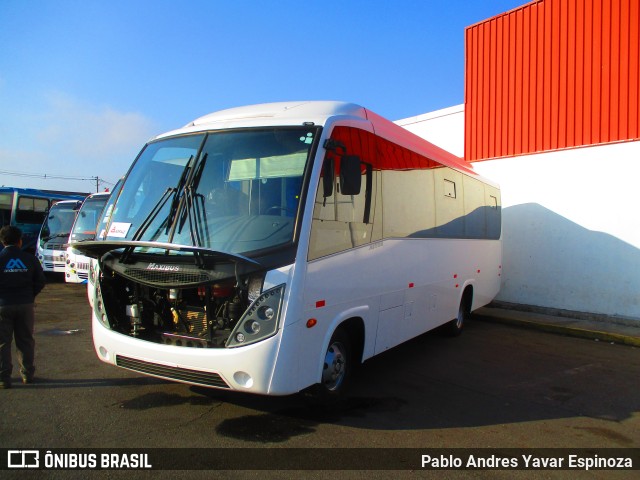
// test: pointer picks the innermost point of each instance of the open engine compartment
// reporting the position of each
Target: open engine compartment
(201, 316)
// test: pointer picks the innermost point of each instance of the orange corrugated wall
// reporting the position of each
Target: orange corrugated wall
(552, 74)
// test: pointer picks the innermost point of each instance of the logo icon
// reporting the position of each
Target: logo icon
(163, 268)
(23, 459)
(15, 264)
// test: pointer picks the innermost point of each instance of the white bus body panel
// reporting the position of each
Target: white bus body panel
(79, 272)
(257, 360)
(395, 304)
(248, 368)
(52, 260)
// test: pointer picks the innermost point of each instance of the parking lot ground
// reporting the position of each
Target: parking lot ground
(495, 386)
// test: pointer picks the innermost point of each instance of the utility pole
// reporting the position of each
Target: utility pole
(97, 180)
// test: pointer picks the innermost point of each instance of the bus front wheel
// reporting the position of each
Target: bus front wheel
(337, 362)
(455, 326)
(337, 369)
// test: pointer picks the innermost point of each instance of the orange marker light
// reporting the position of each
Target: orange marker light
(311, 322)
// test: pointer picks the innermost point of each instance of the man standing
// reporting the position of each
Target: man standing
(21, 279)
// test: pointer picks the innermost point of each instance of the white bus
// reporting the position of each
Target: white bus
(76, 268)
(51, 248)
(271, 248)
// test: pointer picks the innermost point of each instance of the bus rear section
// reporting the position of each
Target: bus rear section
(54, 235)
(272, 248)
(83, 229)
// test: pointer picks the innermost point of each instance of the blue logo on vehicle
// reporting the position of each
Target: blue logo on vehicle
(15, 265)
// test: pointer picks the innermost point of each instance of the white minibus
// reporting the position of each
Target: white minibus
(51, 248)
(271, 248)
(76, 268)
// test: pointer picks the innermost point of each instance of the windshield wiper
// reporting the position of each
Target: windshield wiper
(175, 202)
(153, 214)
(161, 202)
(158, 207)
(194, 209)
(57, 235)
(85, 239)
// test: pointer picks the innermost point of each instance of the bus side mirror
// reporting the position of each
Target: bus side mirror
(350, 175)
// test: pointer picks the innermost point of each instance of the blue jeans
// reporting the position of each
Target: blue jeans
(17, 321)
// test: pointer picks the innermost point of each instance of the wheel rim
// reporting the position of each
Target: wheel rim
(334, 366)
(460, 317)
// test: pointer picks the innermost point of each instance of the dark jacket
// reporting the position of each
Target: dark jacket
(21, 277)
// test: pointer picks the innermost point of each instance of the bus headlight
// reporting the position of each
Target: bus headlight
(92, 273)
(98, 305)
(261, 319)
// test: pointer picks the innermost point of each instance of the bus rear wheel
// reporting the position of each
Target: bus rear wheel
(455, 326)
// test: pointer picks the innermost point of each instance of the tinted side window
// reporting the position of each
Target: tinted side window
(31, 210)
(341, 222)
(408, 192)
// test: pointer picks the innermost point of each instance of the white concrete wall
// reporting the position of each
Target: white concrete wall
(571, 223)
(444, 128)
(571, 228)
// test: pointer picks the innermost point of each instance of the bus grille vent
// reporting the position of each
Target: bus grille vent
(172, 373)
(166, 278)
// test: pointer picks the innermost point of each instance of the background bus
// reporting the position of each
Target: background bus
(54, 235)
(26, 209)
(271, 248)
(84, 228)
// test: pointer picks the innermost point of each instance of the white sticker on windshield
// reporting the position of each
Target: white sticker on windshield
(119, 230)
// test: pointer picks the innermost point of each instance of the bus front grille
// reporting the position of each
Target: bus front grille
(173, 373)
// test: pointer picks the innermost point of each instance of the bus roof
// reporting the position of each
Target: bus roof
(319, 113)
(67, 203)
(33, 192)
(99, 194)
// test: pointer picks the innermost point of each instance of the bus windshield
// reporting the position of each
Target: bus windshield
(233, 191)
(84, 227)
(57, 225)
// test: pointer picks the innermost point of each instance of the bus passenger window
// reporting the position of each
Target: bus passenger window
(344, 219)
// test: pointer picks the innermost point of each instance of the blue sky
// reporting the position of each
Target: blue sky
(84, 84)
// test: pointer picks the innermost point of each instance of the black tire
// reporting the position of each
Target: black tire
(455, 326)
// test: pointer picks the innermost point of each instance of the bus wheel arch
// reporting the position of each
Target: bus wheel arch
(355, 329)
